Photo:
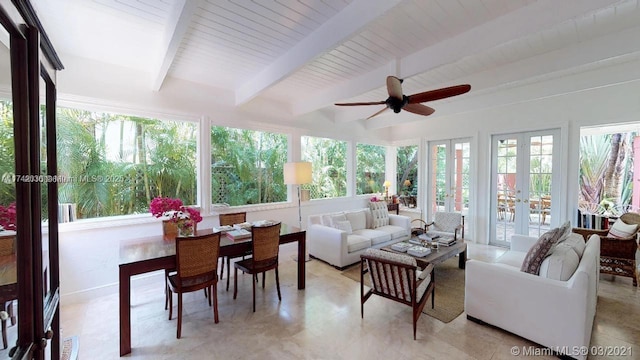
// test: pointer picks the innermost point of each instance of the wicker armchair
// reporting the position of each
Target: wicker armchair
(266, 246)
(196, 268)
(231, 219)
(617, 256)
(396, 277)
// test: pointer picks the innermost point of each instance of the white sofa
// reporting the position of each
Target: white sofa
(330, 241)
(557, 314)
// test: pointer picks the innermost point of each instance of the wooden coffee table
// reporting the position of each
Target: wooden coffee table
(439, 255)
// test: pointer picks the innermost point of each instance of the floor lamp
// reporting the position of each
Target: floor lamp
(298, 173)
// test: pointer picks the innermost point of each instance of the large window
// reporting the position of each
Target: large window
(370, 170)
(328, 158)
(407, 174)
(115, 164)
(246, 166)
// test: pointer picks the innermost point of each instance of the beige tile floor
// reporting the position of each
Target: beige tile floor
(321, 322)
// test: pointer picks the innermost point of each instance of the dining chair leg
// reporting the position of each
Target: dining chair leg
(222, 268)
(170, 295)
(179, 315)
(214, 292)
(4, 334)
(263, 276)
(235, 283)
(278, 284)
(208, 290)
(254, 295)
(166, 293)
(229, 272)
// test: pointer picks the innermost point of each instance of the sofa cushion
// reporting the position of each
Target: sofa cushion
(326, 220)
(396, 232)
(380, 213)
(620, 230)
(512, 258)
(358, 219)
(539, 251)
(376, 236)
(357, 243)
(344, 226)
(576, 241)
(335, 218)
(560, 264)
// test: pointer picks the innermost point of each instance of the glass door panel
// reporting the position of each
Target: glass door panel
(8, 232)
(449, 175)
(522, 169)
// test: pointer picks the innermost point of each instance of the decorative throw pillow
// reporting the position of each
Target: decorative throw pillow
(335, 218)
(344, 226)
(539, 251)
(358, 219)
(620, 230)
(380, 213)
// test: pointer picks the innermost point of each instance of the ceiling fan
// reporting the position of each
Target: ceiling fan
(398, 101)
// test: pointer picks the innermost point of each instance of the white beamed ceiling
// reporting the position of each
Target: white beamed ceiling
(304, 55)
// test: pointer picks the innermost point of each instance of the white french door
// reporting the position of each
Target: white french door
(524, 169)
(449, 176)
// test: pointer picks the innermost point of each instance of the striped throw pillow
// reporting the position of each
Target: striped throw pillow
(620, 230)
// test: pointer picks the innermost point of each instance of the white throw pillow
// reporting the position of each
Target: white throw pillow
(621, 230)
(561, 264)
(344, 226)
(576, 241)
(380, 213)
(335, 218)
(358, 219)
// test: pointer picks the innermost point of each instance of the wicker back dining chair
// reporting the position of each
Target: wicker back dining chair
(231, 219)
(266, 246)
(396, 277)
(617, 255)
(196, 268)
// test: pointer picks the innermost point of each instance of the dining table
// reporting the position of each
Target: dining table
(147, 254)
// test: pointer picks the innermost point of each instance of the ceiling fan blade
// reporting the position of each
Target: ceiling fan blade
(439, 93)
(378, 113)
(394, 87)
(419, 109)
(361, 103)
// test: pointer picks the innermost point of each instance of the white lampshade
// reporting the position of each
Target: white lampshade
(296, 173)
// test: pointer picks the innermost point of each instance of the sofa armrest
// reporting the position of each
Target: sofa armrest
(400, 220)
(522, 243)
(549, 312)
(327, 243)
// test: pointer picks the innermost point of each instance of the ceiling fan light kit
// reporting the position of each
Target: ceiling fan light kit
(397, 101)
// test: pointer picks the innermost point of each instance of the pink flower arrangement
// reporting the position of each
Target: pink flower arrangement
(173, 210)
(164, 206)
(8, 217)
(374, 199)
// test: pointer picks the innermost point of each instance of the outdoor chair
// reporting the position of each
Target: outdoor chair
(265, 246)
(450, 224)
(617, 254)
(231, 219)
(396, 277)
(196, 268)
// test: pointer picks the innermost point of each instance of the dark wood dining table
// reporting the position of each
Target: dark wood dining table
(143, 255)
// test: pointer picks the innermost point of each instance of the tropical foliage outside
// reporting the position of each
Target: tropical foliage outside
(606, 173)
(407, 170)
(116, 164)
(247, 166)
(370, 169)
(328, 163)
